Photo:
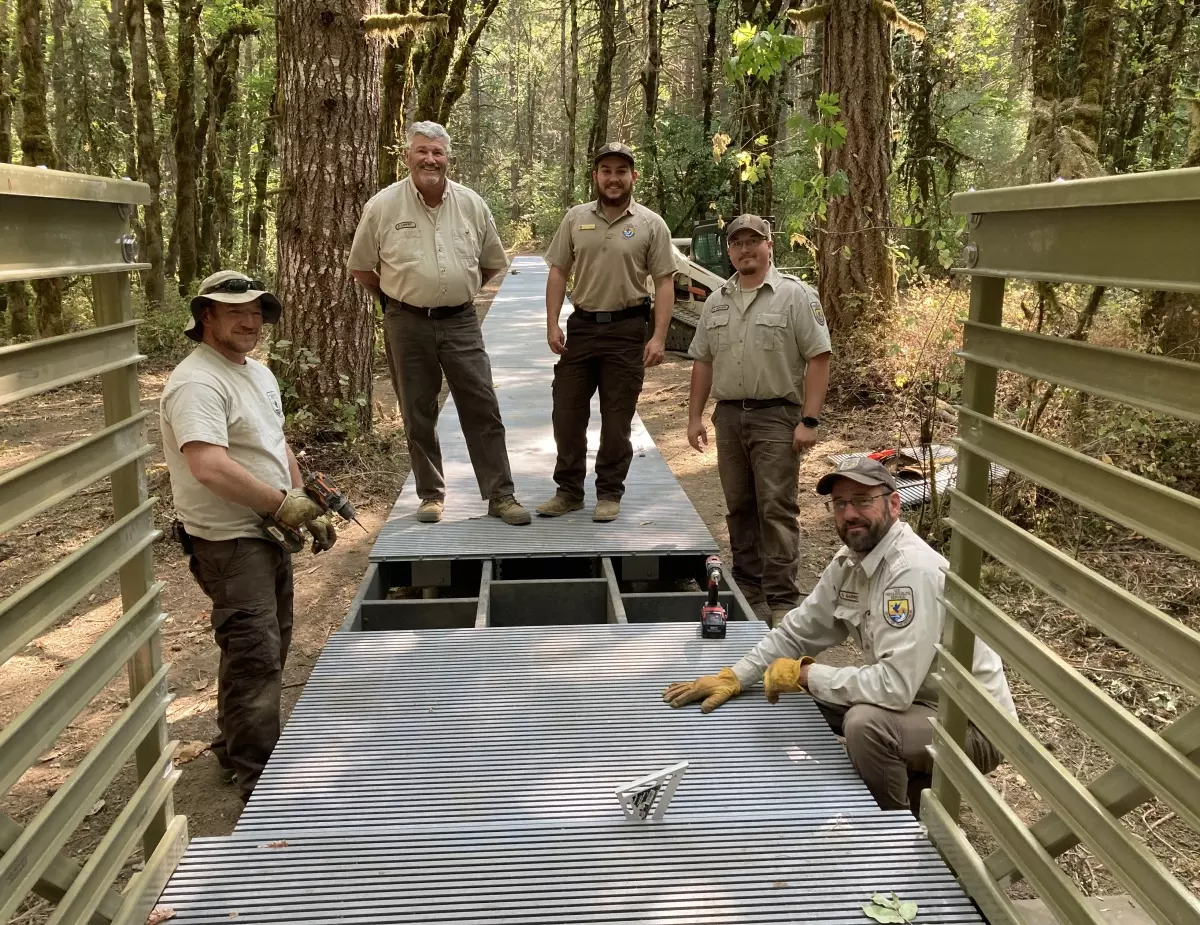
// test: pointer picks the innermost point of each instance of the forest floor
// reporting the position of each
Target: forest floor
(325, 586)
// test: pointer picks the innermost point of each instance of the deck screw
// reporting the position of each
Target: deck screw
(129, 248)
(970, 255)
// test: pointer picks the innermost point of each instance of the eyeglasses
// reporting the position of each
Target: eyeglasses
(746, 245)
(864, 503)
(236, 286)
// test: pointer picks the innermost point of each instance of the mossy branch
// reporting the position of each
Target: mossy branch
(898, 20)
(392, 27)
(809, 15)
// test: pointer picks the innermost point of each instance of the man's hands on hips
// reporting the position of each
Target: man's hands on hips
(656, 348)
(698, 435)
(556, 339)
(714, 690)
(786, 676)
(804, 439)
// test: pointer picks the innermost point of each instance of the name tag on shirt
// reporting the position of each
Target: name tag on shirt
(851, 597)
(591, 227)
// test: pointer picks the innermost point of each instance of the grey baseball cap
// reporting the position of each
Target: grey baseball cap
(231, 288)
(749, 223)
(616, 149)
(861, 469)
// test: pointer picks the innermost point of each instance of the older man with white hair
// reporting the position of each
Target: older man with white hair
(424, 247)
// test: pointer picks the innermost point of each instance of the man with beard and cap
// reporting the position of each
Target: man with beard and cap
(884, 590)
(424, 247)
(762, 349)
(613, 245)
(230, 466)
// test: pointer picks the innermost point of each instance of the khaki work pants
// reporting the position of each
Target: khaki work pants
(607, 357)
(250, 584)
(419, 351)
(890, 750)
(759, 472)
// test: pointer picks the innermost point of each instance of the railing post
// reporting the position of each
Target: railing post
(112, 304)
(978, 395)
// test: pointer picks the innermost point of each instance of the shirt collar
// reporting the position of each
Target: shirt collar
(771, 279)
(871, 561)
(599, 210)
(421, 199)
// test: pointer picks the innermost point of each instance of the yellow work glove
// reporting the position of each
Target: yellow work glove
(714, 690)
(783, 677)
(323, 533)
(298, 509)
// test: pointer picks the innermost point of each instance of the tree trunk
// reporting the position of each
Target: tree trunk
(570, 89)
(710, 58)
(6, 100)
(59, 11)
(457, 82)
(602, 85)
(857, 275)
(396, 57)
(153, 279)
(185, 147)
(437, 54)
(1163, 129)
(651, 73)
(475, 167)
(20, 324)
(1095, 66)
(162, 54)
(222, 66)
(36, 143)
(328, 161)
(262, 172)
(82, 90)
(1046, 20)
(119, 92)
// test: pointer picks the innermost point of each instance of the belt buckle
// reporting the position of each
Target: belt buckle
(746, 406)
(429, 312)
(603, 317)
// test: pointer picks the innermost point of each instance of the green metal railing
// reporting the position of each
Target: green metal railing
(55, 225)
(1134, 231)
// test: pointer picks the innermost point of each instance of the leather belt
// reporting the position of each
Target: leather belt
(754, 404)
(436, 313)
(641, 310)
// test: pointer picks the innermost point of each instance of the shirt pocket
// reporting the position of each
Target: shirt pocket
(467, 248)
(400, 247)
(769, 330)
(852, 616)
(716, 326)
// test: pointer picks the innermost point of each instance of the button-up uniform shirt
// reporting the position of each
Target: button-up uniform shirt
(889, 602)
(760, 349)
(427, 256)
(612, 260)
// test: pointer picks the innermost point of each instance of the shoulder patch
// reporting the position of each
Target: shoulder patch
(899, 606)
(817, 313)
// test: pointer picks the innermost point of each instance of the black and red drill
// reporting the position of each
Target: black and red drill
(322, 491)
(712, 614)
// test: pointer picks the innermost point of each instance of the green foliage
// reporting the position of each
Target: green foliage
(761, 53)
(890, 909)
(289, 365)
(827, 133)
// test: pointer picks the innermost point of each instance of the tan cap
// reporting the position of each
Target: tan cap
(231, 288)
(749, 223)
(861, 469)
(614, 148)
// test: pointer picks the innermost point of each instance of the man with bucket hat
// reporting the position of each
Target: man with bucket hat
(613, 245)
(762, 350)
(884, 590)
(230, 465)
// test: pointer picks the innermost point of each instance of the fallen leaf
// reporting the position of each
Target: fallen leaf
(190, 751)
(646, 523)
(96, 807)
(779, 884)
(233, 915)
(200, 684)
(276, 844)
(160, 914)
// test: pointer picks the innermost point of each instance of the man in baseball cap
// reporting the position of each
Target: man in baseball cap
(230, 466)
(883, 589)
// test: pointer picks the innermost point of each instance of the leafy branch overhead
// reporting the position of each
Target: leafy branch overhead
(810, 14)
(395, 26)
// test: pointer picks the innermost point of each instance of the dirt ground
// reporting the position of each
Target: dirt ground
(326, 585)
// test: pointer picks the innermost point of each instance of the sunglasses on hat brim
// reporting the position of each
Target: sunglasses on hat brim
(236, 286)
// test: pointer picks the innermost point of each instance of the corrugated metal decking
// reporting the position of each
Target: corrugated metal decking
(674, 873)
(524, 724)
(656, 516)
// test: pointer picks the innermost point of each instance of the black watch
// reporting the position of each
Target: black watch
(810, 422)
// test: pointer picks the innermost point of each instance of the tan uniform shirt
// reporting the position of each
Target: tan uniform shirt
(761, 351)
(427, 257)
(611, 259)
(890, 602)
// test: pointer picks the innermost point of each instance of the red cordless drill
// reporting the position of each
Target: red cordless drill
(712, 614)
(323, 492)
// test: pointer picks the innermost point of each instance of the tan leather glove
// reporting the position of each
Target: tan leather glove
(714, 690)
(298, 509)
(783, 677)
(323, 533)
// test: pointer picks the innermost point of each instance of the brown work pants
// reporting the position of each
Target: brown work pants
(607, 357)
(759, 472)
(890, 749)
(250, 584)
(419, 351)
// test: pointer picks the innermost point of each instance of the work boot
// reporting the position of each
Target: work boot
(606, 511)
(777, 616)
(430, 511)
(558, 505)
(507, 509)
(762, 611)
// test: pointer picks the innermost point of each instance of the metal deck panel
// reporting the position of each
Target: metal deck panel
(656, 515)
(519, 724)
(672, 873)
